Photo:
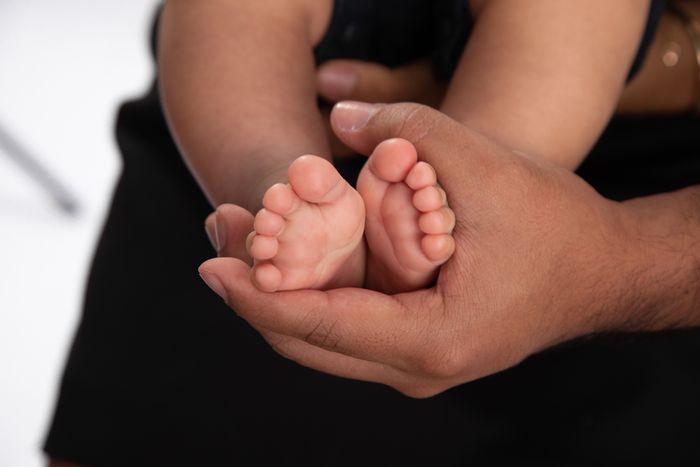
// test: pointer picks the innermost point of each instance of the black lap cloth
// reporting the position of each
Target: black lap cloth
(161, 372)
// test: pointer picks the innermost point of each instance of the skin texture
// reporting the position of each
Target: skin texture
(519, 83)
(239, 126)
(540, 258)
(239, 131)
(409, 225)
(291, 245)
(655, 89)
(238, 87)
(514, 83)
(310, 232)
(517, 80)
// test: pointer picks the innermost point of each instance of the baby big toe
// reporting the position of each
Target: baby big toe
(315, 180)
(393, 159)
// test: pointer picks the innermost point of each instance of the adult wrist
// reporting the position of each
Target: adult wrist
(660, 285)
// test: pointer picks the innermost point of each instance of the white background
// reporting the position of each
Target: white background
(64, 67)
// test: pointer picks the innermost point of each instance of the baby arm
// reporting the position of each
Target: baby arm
(238, 86)
(544, 77)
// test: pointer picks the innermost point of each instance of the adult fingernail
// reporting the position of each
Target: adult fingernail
(214, 283)
(220, 232)
(353, 116)
(336, 83)
(210, 229)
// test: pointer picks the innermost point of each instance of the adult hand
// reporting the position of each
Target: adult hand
(540, 258)
(227, 229)
(339, 80)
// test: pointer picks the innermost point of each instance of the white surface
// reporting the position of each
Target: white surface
(64, 67)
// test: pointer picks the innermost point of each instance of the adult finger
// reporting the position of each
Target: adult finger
(356, 322)
(210, 229)
(459, 155)
(228, 228)
(344, 366)
(339, 80)
(348, 367)
(338, 149)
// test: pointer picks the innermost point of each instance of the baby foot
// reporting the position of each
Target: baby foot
(309, 233)
(408, 226)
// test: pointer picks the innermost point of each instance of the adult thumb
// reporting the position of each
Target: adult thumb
(451, 148)
(363, 126)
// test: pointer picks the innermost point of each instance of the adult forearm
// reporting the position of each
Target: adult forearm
(663, 286)
(237, 82)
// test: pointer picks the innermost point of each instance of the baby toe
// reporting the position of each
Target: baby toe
(421, 175)
(315, 180)
(440, 221)
(266, 277)
(263, 247)
(280, 199)
(428, 199)
(268, 223)
(438, 248)
(393, 159)
(443, 195)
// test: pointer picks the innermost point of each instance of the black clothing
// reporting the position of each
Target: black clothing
(395, 32)
(161, 372)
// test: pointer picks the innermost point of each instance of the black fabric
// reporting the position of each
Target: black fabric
(392, 32)
(656, 9)
(162, 373)
(396, 32)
